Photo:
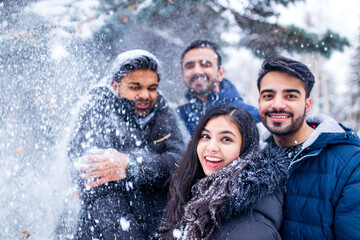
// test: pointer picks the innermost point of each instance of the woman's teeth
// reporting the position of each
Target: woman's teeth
(213, 159)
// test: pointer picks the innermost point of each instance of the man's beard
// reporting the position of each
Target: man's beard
(208, 88)
(142, 112)
(283, 131)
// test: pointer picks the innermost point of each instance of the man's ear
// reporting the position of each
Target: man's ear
(308, 102)
(115, 86)
(221, 73)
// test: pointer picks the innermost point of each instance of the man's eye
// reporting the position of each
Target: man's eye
(266, 96)
(189, 65)
(291, 96)
(205, 64)
(152, 89)
(134, 87)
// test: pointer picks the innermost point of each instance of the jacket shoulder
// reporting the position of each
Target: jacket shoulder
(98, 99)
(228, 90)
(346, 149)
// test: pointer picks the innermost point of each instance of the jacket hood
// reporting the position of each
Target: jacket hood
(262, 177)
(329, 131)
(125, 58)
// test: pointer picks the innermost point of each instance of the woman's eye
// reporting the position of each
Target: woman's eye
(226, 139)
(205, 136)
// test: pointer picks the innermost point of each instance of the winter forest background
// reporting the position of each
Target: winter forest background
(53, 51)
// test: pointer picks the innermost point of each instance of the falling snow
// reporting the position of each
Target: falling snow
(49, 63)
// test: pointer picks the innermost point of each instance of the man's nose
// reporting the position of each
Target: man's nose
(144, 94)
(198, 69)
(278, 103)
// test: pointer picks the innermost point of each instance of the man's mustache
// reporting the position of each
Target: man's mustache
(281, 111)
(142, 100)
(199, 77)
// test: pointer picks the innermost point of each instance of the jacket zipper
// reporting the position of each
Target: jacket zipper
(203, 108)
(305, 156)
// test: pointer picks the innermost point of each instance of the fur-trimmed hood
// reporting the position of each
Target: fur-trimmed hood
(263, 176)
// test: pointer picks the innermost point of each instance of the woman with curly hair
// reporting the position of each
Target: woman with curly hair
(224, 188)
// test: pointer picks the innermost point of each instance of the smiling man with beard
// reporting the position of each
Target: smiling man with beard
(204, 76)
(322, 198)
(124, 148)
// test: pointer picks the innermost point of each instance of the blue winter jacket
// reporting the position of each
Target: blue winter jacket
(323, 192)
(192, 111)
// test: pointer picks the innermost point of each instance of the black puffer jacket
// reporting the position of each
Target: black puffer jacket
(263, 223)
(129, 208)
(254, 207)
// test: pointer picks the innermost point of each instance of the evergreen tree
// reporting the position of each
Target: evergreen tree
(184, 21)
(165, 27)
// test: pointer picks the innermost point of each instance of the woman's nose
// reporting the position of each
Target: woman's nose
(212, 146)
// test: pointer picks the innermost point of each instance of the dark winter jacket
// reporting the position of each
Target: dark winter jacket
(323, 193)
(254, 207)
(192, 111)
(131, 207)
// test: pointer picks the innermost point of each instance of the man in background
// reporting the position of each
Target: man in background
(203, 74)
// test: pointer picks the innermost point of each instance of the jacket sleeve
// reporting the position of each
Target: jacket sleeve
(156, 166)
(347, 210)
(88, 133)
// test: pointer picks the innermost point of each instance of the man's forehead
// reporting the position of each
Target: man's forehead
(199, 54)
(281, 81)
(143, 82)
(281, 90)
(141, 77)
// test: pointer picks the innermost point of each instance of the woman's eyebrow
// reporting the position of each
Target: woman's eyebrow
(228, 132)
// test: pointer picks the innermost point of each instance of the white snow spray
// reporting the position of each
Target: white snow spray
(52, 53)
(44, 69)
